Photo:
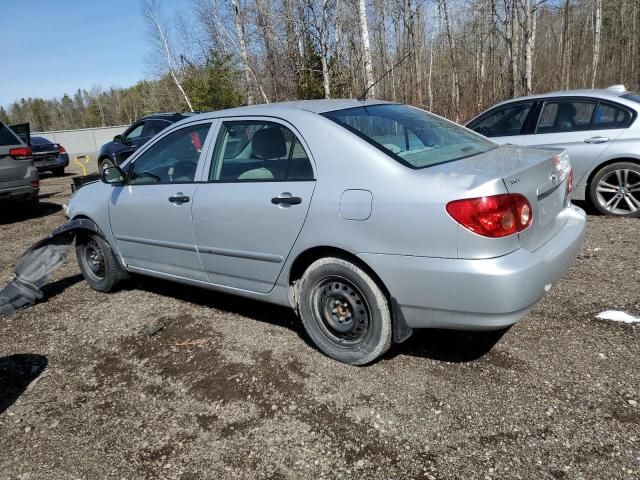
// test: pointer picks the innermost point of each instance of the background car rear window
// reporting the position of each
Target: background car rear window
(411, 136)
(565, 116)
(608, 116)
(504, 122)
(7, 137)
(256, 150)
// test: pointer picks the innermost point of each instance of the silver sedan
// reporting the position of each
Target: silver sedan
(370, 219)
(599, 128)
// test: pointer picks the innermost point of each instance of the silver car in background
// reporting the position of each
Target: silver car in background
(370, 219)
(599, 129)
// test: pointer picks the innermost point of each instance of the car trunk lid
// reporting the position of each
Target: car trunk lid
(539, 174)
(542, 176)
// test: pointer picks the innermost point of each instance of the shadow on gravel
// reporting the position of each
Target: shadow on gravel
(261, 311)
(448, 345)
(18, 212)
(16, 373)
(56, 288)
(442, 345)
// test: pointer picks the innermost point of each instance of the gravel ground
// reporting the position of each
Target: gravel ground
(232, 389)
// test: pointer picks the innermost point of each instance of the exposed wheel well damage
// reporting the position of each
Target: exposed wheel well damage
(401, 331)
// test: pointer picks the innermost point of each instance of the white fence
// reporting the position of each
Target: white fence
(84, 141)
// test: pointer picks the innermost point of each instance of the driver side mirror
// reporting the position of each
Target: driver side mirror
(112, 175)
(117, 139)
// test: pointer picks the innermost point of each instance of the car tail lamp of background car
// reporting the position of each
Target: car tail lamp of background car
(495, 216)
(22, 153)
(61, 149)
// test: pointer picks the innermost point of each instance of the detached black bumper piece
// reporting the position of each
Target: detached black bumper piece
(33, 269)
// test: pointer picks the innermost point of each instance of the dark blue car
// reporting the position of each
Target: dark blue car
(49, 156)
(139, 133)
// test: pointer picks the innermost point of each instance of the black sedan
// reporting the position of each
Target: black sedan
(49, 156)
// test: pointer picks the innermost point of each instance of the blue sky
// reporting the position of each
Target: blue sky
(52, 47)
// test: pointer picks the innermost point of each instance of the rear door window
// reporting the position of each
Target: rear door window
(256, 150)
(565, 116)
(7, 137)
(504, 121)
(609, 116)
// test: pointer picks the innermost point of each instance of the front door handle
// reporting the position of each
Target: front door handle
(286, 199)
(179, 198)
(597, 140)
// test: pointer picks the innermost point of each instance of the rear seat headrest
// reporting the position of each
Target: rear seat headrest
(269, 143)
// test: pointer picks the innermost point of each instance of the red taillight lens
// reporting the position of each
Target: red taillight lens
(570, 181)
(495, 216)
(35, 183)
(23, 153)
(61, 149)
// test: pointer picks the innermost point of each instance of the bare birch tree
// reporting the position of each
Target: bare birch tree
(366, 48)
(597, 25)
(151, 14)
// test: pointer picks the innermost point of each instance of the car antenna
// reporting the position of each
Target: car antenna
(366, 90)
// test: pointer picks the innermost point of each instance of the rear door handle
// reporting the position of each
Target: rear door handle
(179, 198)
(286, 199)
(597, 140)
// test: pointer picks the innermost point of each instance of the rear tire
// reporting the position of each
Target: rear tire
(615, 190)
(98, 263)
(58, 172)
(344, 311)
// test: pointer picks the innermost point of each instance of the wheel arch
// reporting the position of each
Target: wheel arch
(602, 165)
(401, 331)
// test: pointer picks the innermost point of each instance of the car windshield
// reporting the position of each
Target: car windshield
(411, 136)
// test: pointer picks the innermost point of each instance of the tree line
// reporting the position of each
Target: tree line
(452, 57)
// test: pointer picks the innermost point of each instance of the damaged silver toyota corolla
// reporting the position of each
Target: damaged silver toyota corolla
(370, 219)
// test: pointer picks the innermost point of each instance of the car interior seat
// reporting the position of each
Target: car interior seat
(267, 144)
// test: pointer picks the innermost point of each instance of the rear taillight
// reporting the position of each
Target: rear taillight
(35, 183)
(61, 149)
(22, 153)
(495, 216)
(570, 181)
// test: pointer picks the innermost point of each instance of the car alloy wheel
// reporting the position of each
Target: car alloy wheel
(341, 310)
(618, 191)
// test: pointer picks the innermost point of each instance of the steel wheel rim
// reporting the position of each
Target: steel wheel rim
(341, 311)
(93, 259)
(618, 192)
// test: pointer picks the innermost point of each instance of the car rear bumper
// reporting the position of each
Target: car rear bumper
(60, 161)
(478, 294)
(20, 189)
(17, 194)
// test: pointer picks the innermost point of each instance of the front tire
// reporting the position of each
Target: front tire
(344, 311)
(98, 263)
(615, 190)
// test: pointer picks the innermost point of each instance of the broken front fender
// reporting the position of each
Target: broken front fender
(34, 267)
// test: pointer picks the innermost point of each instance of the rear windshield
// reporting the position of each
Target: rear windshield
(39, 141)
(632, 96)
(412, 136)
(7, 137)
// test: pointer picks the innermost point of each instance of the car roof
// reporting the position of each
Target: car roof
(169, 116)
(615, 92)
(279, 108)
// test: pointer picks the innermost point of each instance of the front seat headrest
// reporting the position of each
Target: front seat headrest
(269, 143)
